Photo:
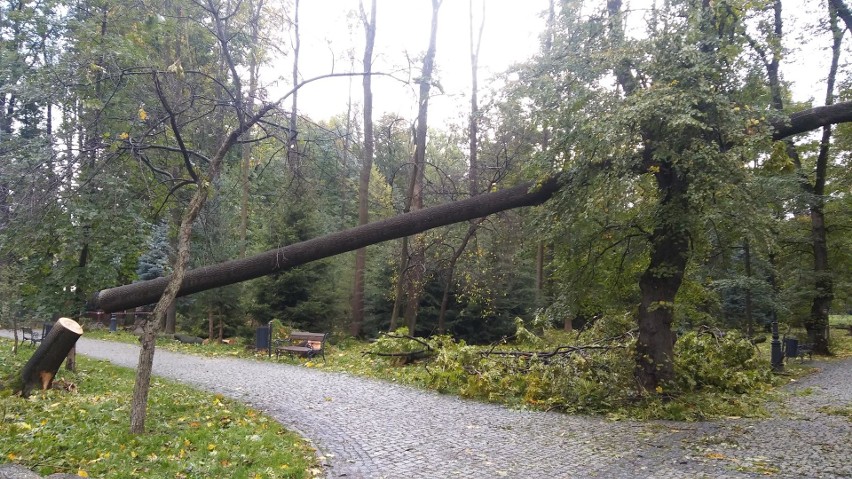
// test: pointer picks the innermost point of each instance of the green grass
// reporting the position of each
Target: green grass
(840, 320)
(190, 434)
(845, 411)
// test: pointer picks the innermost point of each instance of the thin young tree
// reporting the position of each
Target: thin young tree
(367, 153)
(415, 268)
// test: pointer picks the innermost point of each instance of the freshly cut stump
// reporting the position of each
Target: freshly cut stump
(44, 363)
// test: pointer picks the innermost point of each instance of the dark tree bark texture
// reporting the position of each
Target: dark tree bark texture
(661, 281)
(234, 271)
(40, 370)
(366, 170)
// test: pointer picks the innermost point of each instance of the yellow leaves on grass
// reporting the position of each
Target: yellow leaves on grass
(143, 115)
(82, 473)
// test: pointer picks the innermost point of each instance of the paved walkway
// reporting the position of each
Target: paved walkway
(372, 429)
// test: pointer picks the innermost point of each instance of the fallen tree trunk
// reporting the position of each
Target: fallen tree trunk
(44, 363)
(234, 271)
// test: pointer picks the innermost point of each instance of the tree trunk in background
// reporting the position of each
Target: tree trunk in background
(748, 306)
(71, 360)
(366, 169)
(473, 170)
(540, 256)
(292, 146)
(167, 322)
(473, 128)
(417, 263)
(245, 163)
(210, 324)
(445, 299)
(46, 360)
(400, 281)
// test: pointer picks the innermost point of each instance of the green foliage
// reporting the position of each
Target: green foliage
(190, 434)
(715, 377)
(301, 297)
(727, 364)
(398, 342)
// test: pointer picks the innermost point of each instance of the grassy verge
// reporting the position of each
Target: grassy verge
(582, 387)
(83, 429)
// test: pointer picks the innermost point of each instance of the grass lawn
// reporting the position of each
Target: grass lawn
(83, 429)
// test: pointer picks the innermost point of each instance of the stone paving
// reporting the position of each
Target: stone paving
(364, 428)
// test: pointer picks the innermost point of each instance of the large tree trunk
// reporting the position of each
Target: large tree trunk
(366, 169)
(45, 362)
(661, 281)
(817, 324)
(235, 271)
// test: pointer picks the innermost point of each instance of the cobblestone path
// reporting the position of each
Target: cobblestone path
(371, 429)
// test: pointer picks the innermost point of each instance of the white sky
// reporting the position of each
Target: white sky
(510, 36)
(331, 28)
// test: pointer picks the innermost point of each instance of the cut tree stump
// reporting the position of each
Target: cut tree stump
(44, 363)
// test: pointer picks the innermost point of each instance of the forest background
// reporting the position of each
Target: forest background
(669, 119)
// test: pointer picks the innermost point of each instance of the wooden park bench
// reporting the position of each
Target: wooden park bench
(32, 336)
(303, 344)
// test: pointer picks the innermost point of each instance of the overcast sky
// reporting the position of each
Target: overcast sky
(329, 29)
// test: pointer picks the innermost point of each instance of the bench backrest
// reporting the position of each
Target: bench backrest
(27, 332)
(315, 340)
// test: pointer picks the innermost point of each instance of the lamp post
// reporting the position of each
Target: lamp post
(777, 358)
(777, 354)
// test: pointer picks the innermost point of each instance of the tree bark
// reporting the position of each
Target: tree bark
(366, 170)
(234, 271)
(71, 360)
(661, 281)
(817, 323)
(210, 324)
(139, 402)
(749, 316)
(417, 261)
(451, 268)
(292, 145)
(45, 362)
(245, 163)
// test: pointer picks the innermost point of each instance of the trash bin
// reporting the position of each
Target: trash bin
(45, 329)
(791, 347)
(261, 338)
(113, 322)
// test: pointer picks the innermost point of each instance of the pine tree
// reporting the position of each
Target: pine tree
(154, 263)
